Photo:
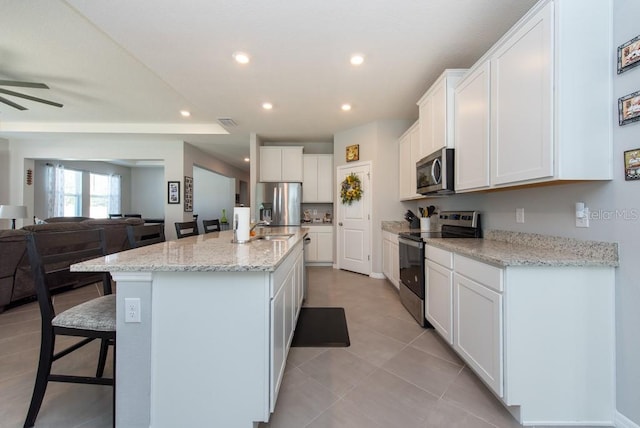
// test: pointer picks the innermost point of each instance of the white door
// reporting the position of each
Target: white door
(354, 222)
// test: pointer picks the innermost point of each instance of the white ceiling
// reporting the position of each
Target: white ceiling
(128, 67)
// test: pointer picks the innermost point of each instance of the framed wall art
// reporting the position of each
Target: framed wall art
(629, 55)
(188, 194)
(353, 153)
(632, 164)
(173, 192)
(629, 108)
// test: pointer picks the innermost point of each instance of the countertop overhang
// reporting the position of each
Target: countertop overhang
(211, 252)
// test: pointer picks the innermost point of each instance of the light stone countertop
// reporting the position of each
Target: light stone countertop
(211, 252)
(505, 248)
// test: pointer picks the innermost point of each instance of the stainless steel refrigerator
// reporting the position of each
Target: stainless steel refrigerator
(285, 202)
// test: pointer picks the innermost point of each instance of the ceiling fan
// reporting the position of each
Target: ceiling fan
(27, 97)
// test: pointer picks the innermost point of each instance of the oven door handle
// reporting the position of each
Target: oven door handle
(415, 244)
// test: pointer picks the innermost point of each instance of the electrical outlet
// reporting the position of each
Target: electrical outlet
(519, 215)
(131, 309)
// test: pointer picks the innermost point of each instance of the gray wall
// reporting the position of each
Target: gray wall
(615, 217)
(211, 194)
(149, 191)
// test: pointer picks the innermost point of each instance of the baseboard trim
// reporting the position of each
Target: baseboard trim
(377, 275)
(621, 421)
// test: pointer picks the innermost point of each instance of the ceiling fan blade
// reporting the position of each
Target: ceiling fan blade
(23, 84)
(12, 104)
(29, 97)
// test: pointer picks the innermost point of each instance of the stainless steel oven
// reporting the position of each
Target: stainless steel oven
(412, 277)
(454, 224)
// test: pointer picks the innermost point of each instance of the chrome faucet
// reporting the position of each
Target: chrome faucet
(260, 223)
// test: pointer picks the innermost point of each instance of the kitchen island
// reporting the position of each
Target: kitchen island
(214, 326)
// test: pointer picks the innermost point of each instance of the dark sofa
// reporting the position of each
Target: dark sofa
(16, 282)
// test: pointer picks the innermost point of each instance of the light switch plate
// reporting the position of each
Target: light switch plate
(519, 215)
(584, 221)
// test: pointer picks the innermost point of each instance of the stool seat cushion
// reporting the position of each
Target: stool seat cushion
(96, 314)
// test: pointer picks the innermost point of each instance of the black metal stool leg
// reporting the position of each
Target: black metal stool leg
(102, 359)
(47, 344)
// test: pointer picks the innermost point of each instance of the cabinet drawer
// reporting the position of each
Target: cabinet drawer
(487, 275)
(440, 256)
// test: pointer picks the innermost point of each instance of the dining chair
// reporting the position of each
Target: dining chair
(115, 215)
(145, 234)
(50, 255)
(186, 228)
(211, 225)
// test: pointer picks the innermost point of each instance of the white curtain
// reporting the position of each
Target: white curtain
(55, 191)
(114, 194)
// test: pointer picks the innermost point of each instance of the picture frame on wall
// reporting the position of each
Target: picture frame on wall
(629, 55)
(629, 108)
(353, 153)
(632, 164)
(173, 192)
(188, 194)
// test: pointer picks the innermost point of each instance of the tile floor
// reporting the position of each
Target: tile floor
(394, 374)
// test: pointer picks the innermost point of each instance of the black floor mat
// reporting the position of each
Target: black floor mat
(321, 327)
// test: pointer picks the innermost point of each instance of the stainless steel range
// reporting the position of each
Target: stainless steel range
(455, 224)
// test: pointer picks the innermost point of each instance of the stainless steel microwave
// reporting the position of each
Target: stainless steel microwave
(434, 173)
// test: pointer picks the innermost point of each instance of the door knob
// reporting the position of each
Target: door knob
(340, 224)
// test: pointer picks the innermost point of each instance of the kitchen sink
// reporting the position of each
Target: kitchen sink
(274, 236)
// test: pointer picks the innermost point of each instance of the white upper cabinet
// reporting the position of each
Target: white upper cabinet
(409, 154)
(281, 164)
(318, 174)
(522, 90)
(472, 112)
(436, 114)
(549, 102)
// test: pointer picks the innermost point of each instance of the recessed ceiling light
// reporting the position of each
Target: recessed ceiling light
(185, 113)
(346, 107)
(247, 159)
(241, 57)
(357, 59)
(267, 106)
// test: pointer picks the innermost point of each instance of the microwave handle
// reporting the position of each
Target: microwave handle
(433, 168)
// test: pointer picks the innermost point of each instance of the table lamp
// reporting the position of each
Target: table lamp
(13, 212)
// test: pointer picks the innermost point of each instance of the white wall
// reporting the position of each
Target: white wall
(149, 190)
(211, 194)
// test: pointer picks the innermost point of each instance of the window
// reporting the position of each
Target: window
(72, 193)
(104, 194)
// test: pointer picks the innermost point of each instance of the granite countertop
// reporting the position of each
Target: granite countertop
(505, 248)
(211, 252)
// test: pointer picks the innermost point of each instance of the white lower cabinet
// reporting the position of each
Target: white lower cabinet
(478, 332)
(286, 283)
(439, 295)
(320, 249)
(390, 258)
(541, 337)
